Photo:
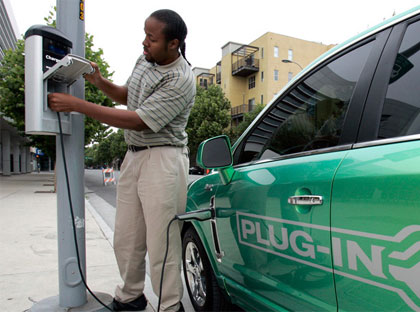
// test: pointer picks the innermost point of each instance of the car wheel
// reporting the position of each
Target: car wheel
(201, 283)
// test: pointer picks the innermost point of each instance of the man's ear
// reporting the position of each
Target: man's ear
(173, 44)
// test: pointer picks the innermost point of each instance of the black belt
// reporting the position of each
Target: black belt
(134, 148)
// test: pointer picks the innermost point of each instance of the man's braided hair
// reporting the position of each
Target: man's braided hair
(175, 27)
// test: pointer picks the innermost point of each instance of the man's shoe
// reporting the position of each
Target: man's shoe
(181, 307)
(138, 304)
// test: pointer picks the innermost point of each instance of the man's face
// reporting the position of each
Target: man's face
(155, 47)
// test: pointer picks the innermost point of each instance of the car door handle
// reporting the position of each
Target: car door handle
(208, 187)
(305, 200)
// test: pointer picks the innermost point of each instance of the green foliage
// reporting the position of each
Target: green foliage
(94, 130)
(109, 151)
(12, 92)
(90, 154)
(50, 20)
(12, 86)
(118, 145)
(210, 116)
(237, 131)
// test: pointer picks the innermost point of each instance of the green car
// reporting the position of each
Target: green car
(317, 205)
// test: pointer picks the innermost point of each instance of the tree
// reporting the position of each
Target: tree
(12, 93)
(104, 156)
(210, 116)
(12, 85)
(109, 151)
(95, 130)
(118, 147)
(237, 131)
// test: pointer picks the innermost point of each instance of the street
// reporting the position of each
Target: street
(103, 197)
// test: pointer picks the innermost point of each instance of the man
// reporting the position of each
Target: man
(152, 187)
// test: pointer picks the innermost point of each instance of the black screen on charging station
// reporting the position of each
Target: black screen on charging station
(53, 52)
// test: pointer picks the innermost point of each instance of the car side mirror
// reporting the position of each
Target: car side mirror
(215, 153)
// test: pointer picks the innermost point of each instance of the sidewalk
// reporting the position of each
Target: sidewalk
(28, 241)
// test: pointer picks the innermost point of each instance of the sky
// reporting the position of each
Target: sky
(117, 26)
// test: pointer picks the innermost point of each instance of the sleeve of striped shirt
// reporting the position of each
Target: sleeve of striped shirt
(164, 104)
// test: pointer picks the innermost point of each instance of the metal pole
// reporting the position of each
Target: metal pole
(72, 292)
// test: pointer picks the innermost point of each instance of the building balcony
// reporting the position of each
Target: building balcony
(245, 67)
(240, 110)
(218, 78)
(244, 62)
(219, 72)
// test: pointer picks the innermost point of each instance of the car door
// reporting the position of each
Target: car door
(375, 214)
(273, 218)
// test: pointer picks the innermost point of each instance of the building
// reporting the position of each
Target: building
(251, 74)
(8, 29)
(15, 156)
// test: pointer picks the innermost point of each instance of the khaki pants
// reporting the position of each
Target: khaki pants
(152, 189)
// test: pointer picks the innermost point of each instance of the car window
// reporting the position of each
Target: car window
(309, 116)
(401, 111)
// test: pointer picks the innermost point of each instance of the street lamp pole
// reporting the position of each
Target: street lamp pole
(290, 61)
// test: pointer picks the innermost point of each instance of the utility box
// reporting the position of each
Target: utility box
(49, 67)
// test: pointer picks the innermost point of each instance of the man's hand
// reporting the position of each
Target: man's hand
(62, 102)
(96, 77)
(116, 93)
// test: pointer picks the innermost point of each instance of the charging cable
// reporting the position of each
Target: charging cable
(164, 261)
(72, 218)
(199, 215)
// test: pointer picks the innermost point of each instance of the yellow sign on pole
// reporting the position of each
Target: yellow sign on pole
(82, 10)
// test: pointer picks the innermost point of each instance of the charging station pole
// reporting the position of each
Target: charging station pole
(51, 67)
(72, 292)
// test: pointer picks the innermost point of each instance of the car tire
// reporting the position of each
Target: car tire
(202, 286)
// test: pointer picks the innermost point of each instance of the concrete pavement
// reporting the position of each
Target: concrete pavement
(28, 241)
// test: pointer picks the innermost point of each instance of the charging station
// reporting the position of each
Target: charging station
(49, 67)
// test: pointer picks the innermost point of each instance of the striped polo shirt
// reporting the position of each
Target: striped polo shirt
(162, 96)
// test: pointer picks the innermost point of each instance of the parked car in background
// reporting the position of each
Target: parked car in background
(196, 170)
(317, 205)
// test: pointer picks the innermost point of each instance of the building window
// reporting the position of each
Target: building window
(289, 76)
(276, 75)
(290, 55)
(251, 82)
(251, 105)
(262, 76)
(203, 83)
(262, 99)
(276, 51)
(262, 53)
